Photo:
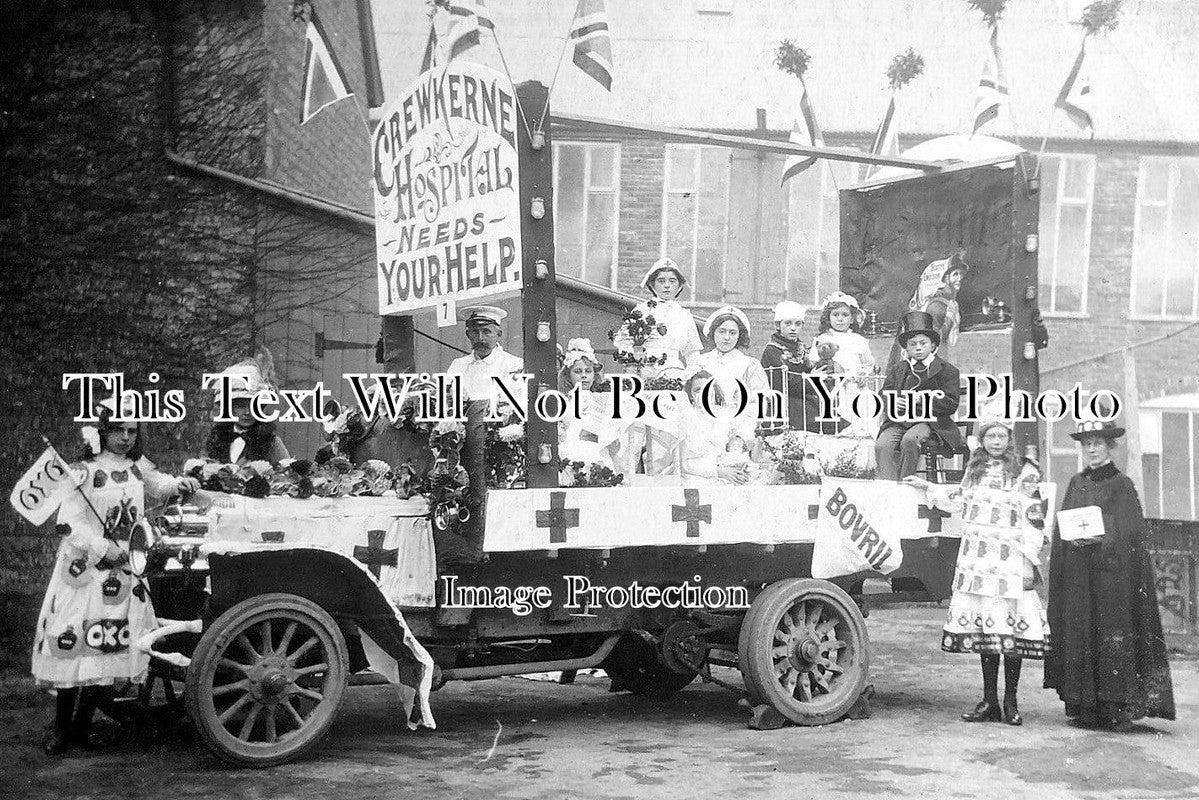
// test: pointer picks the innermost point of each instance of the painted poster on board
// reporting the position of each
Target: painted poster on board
(447, 190)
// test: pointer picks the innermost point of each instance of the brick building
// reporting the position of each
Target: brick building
(161, 210)
(1119, 222)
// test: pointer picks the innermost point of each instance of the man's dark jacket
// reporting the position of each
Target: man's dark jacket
(941, 375)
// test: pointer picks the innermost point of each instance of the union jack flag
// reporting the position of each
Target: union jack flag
(1075, 96)
(593, 42)
(469, 18)
(886, 138)
(992, 92)
(806, 131)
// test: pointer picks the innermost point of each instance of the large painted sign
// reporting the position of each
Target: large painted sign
(447, 190)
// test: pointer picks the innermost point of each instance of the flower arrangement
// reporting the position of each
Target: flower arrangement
(445, 485)
(661, 384)
(795, 464)
(300, 478)
(579, 474)
(636, 329)
(504, 453)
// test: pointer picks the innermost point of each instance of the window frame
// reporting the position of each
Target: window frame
(1048, 309)
(1158, 409)
(690, 267)
(1168, 204)
(588, 148)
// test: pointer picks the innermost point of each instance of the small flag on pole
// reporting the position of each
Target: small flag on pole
(430, 58)
(40, 491)
(992, 92)
(1075, 96)
(469, 18)
(886, 138)
(806, 132)
(324, 80)
(593, 42)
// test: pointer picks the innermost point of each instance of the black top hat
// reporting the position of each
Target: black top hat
(1096, 427)
(915, 322)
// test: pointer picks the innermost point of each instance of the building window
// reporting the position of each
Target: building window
(695, 205)
(586, 210)
(1165, 259)
(1169, 434)
(814, 237)
(1067, 187)
(1063, 458)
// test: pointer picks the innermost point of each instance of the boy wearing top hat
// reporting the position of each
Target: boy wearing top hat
(899, 441)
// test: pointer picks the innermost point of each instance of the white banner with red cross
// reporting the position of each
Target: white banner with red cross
(697, 516)
(391, 538)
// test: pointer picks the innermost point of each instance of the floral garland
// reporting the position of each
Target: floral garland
(300, 478)
(446, 484)
(580, 474)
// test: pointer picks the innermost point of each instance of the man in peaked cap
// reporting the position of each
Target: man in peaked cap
(475, 371)
(899, 442)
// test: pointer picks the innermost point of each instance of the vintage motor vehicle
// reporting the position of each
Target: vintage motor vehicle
(273, 607)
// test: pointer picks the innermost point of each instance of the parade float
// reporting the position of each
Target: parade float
(273, 606)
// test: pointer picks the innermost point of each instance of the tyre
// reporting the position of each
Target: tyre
(265, 680)
(803, 650)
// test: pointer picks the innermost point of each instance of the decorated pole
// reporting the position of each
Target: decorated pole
(537, 288)
(1025, 247)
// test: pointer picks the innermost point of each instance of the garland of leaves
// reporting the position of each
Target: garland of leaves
(905, 68)
(1102, 16)
(792, 59)
(991, 10)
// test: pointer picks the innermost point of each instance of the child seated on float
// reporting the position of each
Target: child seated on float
(841, 324)
(589, 438)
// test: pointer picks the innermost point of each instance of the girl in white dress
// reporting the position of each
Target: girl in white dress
(705, 437)
(588, 438)
(741, 378)
(841, 323)
(995, 609)
(679, 340)
(95, 609)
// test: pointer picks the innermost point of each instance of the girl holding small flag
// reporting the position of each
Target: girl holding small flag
(95, 608)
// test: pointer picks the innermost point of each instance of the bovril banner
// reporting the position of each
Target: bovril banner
(858, 527)
(447, 190)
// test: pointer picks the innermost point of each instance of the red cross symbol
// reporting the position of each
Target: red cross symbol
(373, 555)
(933, 515)
(558, 518)
(691, 512)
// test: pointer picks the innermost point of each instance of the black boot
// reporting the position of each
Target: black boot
(1011, 681)
(988, 709)
(59, 740)
(89, 698)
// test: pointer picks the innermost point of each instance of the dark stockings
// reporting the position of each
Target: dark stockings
(73, 710)
(1011, 677)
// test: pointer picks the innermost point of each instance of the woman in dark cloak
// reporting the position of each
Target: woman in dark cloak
(1108, 661)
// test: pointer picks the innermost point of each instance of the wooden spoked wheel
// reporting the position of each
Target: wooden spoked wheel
(266, 679)
(803, 650)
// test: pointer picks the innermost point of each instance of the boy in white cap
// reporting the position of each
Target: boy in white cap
(475, 371)
(664, 281)
(785, 360)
